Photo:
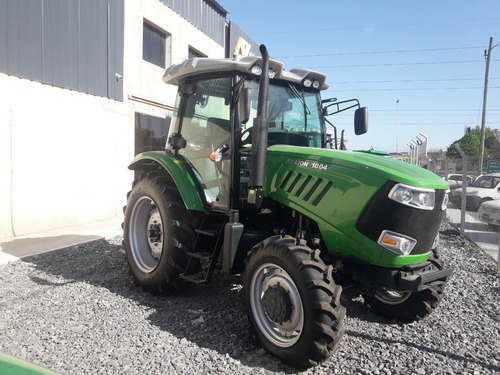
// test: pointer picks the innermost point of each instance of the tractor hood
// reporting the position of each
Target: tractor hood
(342, 191)
(324, 160)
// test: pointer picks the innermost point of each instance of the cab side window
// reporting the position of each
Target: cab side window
(206, 127)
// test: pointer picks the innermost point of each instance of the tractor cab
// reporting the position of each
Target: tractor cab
(213, 126)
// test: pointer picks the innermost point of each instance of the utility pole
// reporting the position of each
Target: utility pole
(487, 55)
(397, 129)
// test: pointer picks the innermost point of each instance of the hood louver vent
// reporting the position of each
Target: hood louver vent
(308, 188)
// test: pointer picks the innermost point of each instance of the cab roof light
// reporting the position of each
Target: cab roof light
(311, 82)
(256, 69)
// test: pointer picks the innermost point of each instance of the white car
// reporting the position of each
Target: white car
(455, 180)
(485, 188)
(489, 212)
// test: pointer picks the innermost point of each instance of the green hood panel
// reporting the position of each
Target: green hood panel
(386, 168)
(334, 187)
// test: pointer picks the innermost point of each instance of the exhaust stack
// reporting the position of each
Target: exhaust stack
(259, 136)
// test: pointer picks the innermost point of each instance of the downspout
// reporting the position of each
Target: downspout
(11, 179)
(259, 136)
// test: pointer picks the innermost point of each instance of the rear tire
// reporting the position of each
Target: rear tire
(157, 234)
(405, 305)
(292, 301)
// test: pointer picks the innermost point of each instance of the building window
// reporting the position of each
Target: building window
(194, 53)
(155, 46)
(150, 132)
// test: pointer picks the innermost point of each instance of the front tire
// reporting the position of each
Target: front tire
(157, 234)
(408, 306)
(292, 302)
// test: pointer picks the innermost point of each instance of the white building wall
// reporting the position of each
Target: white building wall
(64, 154)
(66, 158)
(5, 162)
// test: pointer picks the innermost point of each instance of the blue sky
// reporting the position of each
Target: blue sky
(429, 55)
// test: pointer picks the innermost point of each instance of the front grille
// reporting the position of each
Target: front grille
(383, 213)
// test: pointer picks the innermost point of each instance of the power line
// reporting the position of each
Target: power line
(311, 30)
(432, 112)
(397, 64)
(417, 89)
(409, 81)
(381, 52)
(426, 114)
(422, 124)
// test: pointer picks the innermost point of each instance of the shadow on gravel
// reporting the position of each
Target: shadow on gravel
(211, 316)
(423, 348)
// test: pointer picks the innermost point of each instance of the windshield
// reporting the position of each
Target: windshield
(487, 182)
(293, 115)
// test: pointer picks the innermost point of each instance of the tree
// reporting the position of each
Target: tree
(470, 143)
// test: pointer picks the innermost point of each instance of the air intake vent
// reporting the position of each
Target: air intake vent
(305, 187)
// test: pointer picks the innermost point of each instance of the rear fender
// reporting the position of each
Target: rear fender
(178, 169)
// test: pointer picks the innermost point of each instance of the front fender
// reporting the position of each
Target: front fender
(178, 169)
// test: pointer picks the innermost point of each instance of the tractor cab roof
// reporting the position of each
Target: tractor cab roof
(175, 74)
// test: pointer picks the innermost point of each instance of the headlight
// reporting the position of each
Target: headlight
(415, 197)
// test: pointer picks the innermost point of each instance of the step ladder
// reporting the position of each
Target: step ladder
(206, 249)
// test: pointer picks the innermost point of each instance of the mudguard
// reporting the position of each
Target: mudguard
(178, 169)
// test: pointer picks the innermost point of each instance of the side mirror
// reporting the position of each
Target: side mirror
(244, 105)
(361, 121)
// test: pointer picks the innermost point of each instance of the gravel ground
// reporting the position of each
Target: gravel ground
(77, 311)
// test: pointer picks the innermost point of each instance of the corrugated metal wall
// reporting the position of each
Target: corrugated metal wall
(73, 44)
(202, 14)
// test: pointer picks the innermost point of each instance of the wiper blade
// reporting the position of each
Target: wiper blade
(299, 96)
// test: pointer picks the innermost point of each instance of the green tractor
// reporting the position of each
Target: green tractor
(274, 200)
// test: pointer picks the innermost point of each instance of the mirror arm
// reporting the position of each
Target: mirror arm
(334, 133)
(338, 106)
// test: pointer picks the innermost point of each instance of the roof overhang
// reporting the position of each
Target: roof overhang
(175, 74)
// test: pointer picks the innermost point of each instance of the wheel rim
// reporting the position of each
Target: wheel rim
(276, 305)
(392, 297)
(146, 234)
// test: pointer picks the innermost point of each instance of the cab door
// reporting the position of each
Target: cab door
(206, 127)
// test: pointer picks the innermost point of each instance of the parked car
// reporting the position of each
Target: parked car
(484, 188)
(455, 180)
(489, 212)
